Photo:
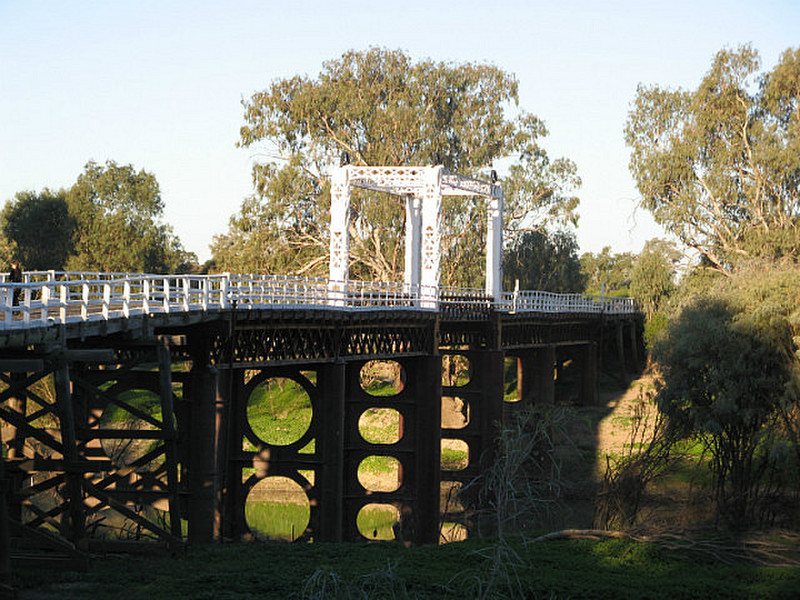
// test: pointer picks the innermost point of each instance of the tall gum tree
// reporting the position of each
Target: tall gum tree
(382, 108)
(117, 210)
(720, 166)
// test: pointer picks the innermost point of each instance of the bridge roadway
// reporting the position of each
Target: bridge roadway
(76, 345)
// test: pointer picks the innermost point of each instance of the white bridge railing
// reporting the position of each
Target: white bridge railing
(54, 297)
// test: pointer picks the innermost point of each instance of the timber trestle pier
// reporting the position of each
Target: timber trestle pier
(82, 460)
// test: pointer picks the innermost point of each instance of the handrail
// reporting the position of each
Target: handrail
(57, 297)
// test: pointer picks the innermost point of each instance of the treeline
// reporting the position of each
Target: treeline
(108, 220)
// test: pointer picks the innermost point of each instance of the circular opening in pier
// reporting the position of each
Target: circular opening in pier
(455, 455)
(381, 426)
(383, 378)
(380, 473)
(456, 370)
(136, 451)
(277, 508)
(279, 411)
(378, 521)
(455, 412)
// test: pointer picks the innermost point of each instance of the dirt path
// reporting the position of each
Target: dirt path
(614, 430)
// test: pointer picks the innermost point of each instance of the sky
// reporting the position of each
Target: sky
(159, 84)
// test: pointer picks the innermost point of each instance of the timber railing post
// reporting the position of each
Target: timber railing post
(224, 284)
(85, 300)
(106, 299)
(63, 299)
(146, 295)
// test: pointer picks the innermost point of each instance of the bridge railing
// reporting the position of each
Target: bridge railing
(552, 302)
(47, 297)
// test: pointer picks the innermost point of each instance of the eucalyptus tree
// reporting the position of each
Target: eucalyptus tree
(607, 271)
(39, 229)
(653, 275)
(542, 260)
(382, 108)
(719, 166)
(117, 212)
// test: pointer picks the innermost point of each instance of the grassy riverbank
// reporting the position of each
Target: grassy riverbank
(554, 570)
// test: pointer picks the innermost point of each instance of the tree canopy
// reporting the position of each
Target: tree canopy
(720, 166)
(117, 209)
(40, 228)
(109, 220)
(653, 275)
(382, 108)
(607, 272)
(544, 261)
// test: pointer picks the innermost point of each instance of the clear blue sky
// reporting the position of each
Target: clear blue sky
(159, 84)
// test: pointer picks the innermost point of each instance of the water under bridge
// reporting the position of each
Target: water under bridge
(77, 348)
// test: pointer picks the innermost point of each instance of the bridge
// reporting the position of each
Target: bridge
(83, 459)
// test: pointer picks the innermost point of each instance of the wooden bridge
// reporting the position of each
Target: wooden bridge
(83, 459)
(203, 344)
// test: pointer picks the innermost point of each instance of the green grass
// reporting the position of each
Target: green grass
(453, 460)
(381, 389)
(380, 425)
(279, 411)
(378, 465)
(143, 400)
(586, 570)
(375, 522)
(277, 520)
(287, 521)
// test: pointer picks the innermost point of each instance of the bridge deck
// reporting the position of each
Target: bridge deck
(109, 302)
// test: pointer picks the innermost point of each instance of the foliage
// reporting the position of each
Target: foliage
(561, 569)
(719, 166)
(654, 328)
(544, 261)
(520, 487)
(382, 108)
(116, 210)
(607, 272)
(7, 250)
(695, 283)
(40, 228)
(652, 276)
(729, 376)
